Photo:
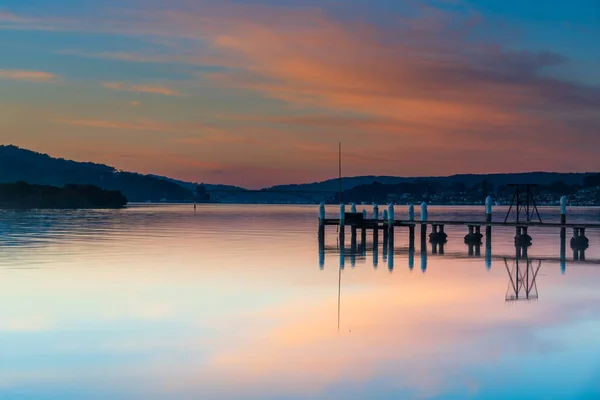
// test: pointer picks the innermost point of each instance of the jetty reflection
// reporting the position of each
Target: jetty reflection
(522, 269)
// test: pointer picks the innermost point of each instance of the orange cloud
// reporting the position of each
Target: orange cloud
(27, 76)
(153, 89)
(420, 86)
(422, 96)
(143, 126)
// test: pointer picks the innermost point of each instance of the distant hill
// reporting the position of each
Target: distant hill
(330, 188)
(540, 178)
(17, 164)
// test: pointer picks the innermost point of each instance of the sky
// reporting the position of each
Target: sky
(260, 92)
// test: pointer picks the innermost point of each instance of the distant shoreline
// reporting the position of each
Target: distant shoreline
(25, 196)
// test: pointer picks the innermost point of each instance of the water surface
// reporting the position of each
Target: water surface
(232, 302)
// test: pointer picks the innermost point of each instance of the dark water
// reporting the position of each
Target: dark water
(156, 302)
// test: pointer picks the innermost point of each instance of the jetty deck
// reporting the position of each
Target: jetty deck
(371, 223)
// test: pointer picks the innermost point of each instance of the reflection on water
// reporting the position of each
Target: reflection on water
(230, 302)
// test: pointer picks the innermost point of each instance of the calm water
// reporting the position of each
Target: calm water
(156, 302)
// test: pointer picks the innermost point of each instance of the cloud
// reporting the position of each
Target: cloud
(150, 126)
(27, 76)
(153, 89)
(428, 84)
(7, 16)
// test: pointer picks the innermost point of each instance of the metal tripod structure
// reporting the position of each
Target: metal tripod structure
(527, 204)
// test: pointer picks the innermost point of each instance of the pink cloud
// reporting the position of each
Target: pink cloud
(7, 16)
(27, 76)
(141, 126)
(152, 89)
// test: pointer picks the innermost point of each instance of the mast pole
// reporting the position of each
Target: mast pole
(340, 169)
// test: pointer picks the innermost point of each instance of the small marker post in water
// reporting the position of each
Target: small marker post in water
(353, 208)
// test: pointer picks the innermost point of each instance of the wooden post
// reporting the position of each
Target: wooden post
(363, 238)
(563, 210)
(391, 221)
(375, 247)
(563, 250)
(488, 209)
(342, 224)
(488, 249)
(423, 237)
(322, 222)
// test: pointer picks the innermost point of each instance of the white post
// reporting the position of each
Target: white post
(411, 212)
(488, 209)
(563, 210)
(375, 212)
(322, 212)
(353, 208)
(391, 213)
(423, 212)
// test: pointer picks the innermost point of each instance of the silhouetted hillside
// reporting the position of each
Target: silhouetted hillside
(22, 195)
(18, 164)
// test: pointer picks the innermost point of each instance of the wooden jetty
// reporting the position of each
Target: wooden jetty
(359, 221)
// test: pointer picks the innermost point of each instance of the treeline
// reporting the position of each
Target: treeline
(455, 192)
(23, 195)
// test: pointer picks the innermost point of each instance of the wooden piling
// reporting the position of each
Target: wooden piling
(563, 210)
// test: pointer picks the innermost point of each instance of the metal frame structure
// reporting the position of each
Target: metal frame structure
(529, 205)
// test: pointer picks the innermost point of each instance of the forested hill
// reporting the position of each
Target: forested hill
(21, 195)
(18, 164)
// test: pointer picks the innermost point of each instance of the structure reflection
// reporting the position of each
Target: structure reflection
(521, 269)
(522, 276)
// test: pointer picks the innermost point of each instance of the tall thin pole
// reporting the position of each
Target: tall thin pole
(340, 169)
